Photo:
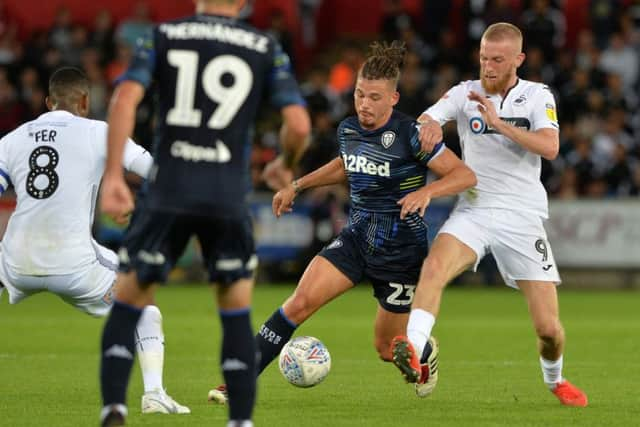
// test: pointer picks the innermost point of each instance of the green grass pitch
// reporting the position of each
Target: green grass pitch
(489, 372)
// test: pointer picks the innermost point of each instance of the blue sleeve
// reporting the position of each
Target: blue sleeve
(142, 63)
(340, 138)
(414, 140)
(5, 181)
(282, 84)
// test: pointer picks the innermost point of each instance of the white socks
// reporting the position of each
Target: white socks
(150, 348)
(419, 328)
(240, 423)
(551, 371)
(106, 410)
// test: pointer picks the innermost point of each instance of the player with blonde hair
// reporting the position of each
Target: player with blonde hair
(506, 124)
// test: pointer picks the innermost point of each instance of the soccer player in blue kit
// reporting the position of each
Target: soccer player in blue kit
(385, 240)
(212, 72)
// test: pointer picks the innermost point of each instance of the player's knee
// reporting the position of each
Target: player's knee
(433, 271)
(299, 307)
(550, 332)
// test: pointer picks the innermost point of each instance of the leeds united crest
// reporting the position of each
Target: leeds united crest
(387, 138)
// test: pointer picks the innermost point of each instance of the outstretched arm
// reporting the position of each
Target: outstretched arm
(116, 199)
(331, 173)
(294, 138)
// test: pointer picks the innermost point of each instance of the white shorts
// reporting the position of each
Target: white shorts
(89, 290)
(517, 240)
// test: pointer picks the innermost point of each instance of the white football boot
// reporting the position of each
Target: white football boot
(159, 402)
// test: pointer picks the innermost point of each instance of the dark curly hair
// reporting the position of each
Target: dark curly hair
(384, 61)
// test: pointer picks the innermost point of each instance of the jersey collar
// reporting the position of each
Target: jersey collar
(509, 91)
(58, 113)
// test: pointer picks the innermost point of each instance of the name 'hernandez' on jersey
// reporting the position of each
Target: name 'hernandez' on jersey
(383, 166)
(212, 74)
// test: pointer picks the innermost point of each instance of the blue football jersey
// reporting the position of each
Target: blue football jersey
(212, 73)
(383, 166)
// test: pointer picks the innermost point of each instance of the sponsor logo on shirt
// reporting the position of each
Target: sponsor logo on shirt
(551, 112)
(478, 126)
(357, 163)
(197, 153)
(521, 100)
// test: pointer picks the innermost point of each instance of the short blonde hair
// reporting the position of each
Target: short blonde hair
(501, 31)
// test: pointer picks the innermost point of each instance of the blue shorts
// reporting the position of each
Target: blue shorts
(392, 271)
(155, 240)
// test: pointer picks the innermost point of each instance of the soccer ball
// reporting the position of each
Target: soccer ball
(305, 361)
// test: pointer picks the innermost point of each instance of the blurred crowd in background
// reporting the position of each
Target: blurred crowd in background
(596, 82)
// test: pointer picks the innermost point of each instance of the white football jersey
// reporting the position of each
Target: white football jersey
(508, 175)
(55, 164)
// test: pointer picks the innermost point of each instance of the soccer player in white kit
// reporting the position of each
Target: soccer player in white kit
(506, 125)
(55, 164)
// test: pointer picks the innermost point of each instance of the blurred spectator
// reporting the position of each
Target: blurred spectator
(35, 48)
(342, 75)
(604, 17)
(415, 44)
(102, 36)
(79, 40)
(621, 59)
(135, 26)
(9, 49)
(29, 82)
(52, 59)
(587, 51)
(608, 136)
(324, 145)
(278, 30)
(502, 11)
(448, 51)
(544, 27)
(395, 20)
(98, 87)
(619, 177)
(580, 160)
(308, 9)
(412, 92)
(568, 186)
(473, 15)
(119, 63)
(535, 65)
(7, 24)
(34, 104)
(616, 96)
(60, 31)
(435, 19)
(565, 64)
(320, 96)
(11, 110)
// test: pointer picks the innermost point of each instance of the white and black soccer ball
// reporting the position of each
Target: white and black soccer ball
(305, 361)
